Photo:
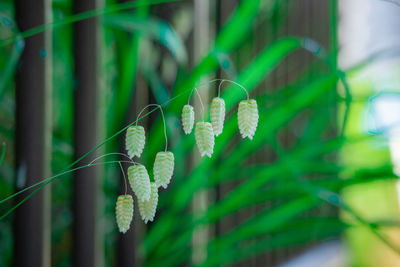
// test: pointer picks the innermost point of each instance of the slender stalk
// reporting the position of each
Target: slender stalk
(225, 80)
(165, 125)
(68, 168)
(43, 183)
(82, 16)
(219, 90)
(201, 102)
(112, 153)
(123, 174)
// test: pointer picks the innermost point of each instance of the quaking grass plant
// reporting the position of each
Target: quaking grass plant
(283, 182)
(145, 189)
(307, 195)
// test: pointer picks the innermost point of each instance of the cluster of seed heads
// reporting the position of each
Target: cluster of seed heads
(139, 180)
(145, 190)
(205, 132)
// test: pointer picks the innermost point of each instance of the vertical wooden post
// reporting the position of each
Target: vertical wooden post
(200, 199)
(32, 137)
(85, 136)
(222, 12)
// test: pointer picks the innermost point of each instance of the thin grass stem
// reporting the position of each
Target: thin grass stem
(163, 118)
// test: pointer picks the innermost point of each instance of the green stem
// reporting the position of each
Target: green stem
(45, 182)
(82, 16)
(226, 80)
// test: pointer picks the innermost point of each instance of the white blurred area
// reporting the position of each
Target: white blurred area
(367, 29)
(371, 29)
(329, 254)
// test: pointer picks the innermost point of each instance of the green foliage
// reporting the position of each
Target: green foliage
(150, 28)
(301, 179)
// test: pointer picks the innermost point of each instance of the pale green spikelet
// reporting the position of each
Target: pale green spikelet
(135, 140)
(217, 115)
(163, 168)
(139, 181)
(124, 212)
(248, 118)
(187, 118)
(204, 138)
(148, 208)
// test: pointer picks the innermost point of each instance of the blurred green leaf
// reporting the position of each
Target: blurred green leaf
(3, 153)
(11, 65)
(157, 87)
(299, 234)
(153, 28)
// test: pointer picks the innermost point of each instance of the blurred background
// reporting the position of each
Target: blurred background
(317, 186)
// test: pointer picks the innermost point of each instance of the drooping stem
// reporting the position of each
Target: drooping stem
(219, 87)
(112, 153)
(201, 101)
(241, 86)
(219, 90)
(122, 169)
(43, 183)
(68, 169)
(163, 118)
(123, 174)
(198, 94)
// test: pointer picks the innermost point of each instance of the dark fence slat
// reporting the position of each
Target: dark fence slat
(32, 137)
(85, 133)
